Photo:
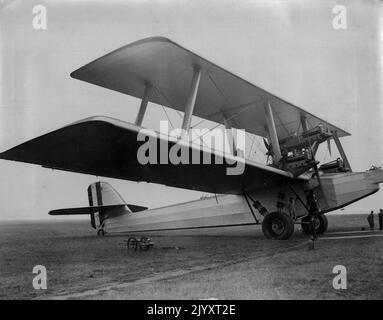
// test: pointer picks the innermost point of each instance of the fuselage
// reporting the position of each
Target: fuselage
(337, 190)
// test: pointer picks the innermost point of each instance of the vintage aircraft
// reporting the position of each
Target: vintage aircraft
(291, 189)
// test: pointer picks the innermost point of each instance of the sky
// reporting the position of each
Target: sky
(290, 48)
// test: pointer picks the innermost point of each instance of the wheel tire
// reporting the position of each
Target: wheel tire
(320, 226)
(143, 243)
(132, 243)
(101, 232)
(278, 226)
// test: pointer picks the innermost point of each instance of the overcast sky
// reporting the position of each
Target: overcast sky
(289, 48)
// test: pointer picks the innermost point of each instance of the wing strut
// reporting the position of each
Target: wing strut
(144, 104)
(272, 132)
(230, 136)
(190, 103)
(340, 149)
(304, 122)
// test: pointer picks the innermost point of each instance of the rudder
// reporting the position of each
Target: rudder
(102, 194)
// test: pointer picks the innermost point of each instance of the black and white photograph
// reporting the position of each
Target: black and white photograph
(206, 151)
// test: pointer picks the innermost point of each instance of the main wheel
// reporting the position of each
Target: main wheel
(101, 232)
(321, 224)
(278, 225)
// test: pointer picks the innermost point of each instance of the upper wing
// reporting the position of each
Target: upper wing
(108, 147)
(169, 67)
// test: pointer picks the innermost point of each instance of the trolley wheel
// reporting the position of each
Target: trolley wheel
(144, 243)
(132, 243)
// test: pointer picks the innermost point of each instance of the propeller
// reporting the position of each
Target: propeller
(268, 147)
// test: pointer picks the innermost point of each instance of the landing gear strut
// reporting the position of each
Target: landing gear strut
(315, 223)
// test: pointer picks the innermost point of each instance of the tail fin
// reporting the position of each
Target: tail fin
(104, 202)
(103, 194)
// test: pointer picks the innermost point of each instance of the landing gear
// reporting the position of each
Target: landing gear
(101, 232)
(278, 225)
(319, 224)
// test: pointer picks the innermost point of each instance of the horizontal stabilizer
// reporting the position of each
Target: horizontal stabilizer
(135, 208)
(93, 209)
(82, 210)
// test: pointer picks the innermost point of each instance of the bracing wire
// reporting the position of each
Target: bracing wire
(167, 116)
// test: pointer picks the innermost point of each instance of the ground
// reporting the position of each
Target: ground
(224, 263)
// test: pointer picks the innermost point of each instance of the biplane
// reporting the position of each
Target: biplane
(291, 188)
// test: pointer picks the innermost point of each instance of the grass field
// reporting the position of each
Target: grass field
(224, 263)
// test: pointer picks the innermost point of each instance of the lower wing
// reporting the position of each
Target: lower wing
(108, 147)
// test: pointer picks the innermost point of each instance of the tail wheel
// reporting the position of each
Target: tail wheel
(278, 225)
(101, 232)
(321, 224)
